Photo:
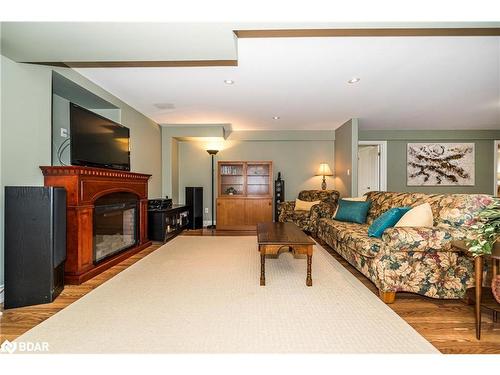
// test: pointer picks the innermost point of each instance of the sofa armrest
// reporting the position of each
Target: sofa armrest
(319, 211)
(421, 238)
(285, 209)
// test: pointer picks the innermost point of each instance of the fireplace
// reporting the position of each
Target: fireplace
(111, 203)
(115, 224)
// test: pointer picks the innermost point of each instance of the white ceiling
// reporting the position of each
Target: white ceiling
(157, 41)
(406, 83)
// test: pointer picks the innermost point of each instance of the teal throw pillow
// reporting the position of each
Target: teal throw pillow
(387, 220)
(352, 211)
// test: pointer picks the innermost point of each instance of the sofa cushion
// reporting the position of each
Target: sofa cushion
(383, 201)
(447, 209)
(299, 217)
(354, 236)
(460, 209)
(352, 211)
(421, 239)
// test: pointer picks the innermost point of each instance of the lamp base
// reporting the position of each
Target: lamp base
(323, 184)
(211, 226)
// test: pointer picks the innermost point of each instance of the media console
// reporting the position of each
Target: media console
(84, 187)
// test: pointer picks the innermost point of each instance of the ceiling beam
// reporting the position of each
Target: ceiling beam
(139, 64)
(368, 32)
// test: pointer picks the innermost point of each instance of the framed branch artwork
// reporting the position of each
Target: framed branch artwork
(440, 164)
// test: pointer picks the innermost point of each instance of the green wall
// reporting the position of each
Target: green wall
(26, 101)
(346, 158)
(170, 135)
(296, 160)
(397, 141)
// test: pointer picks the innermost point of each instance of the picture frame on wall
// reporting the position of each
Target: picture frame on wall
(440, 164)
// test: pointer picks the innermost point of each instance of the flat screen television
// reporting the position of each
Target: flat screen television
(97, 141)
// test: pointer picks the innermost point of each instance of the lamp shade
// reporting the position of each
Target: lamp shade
(324, 170)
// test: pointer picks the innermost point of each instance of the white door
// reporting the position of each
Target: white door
(368, 169)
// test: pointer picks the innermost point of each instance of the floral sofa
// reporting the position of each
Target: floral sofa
(307, 220)
(410, 259)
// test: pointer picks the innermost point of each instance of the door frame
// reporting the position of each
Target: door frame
(495, 167)
(383, 160)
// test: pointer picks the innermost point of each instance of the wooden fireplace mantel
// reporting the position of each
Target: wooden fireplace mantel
(84, 185)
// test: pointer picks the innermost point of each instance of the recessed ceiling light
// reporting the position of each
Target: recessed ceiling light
(353, 80)
(276, 117)
(228, 81)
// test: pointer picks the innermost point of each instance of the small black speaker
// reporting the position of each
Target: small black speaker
(194, 199)
(35, 244)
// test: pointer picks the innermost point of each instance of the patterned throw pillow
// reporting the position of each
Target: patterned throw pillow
(387, 220)
(352, 211)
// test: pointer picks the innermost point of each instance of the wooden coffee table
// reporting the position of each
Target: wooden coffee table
(274, 238)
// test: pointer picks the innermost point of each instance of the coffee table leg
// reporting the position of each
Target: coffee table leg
(309, 281)
(262, 268)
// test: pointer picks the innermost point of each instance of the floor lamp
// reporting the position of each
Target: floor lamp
(212, 153)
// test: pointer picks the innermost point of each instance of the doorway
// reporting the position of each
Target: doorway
(372, 166)
(496, 171)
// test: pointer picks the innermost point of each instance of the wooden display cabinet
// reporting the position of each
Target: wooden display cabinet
(244, 194)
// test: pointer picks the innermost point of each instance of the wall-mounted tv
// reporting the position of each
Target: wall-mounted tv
(97, 141)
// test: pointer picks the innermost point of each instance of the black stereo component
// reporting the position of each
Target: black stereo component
(160, 204)
(35, 244)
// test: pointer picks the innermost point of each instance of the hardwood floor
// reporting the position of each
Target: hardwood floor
(447, 324)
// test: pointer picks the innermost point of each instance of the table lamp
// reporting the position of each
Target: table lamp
(324, 170)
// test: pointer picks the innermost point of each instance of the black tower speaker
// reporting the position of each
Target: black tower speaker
(194, 199)
(35, 244)
(279, 195)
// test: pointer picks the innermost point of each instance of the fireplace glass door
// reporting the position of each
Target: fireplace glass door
(115, 224)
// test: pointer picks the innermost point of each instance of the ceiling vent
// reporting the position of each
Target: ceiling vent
(164, 105)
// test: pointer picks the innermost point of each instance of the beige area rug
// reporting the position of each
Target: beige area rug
(202, 295)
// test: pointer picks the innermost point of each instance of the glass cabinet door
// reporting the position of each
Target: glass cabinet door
(232, 179)
(258, 178)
